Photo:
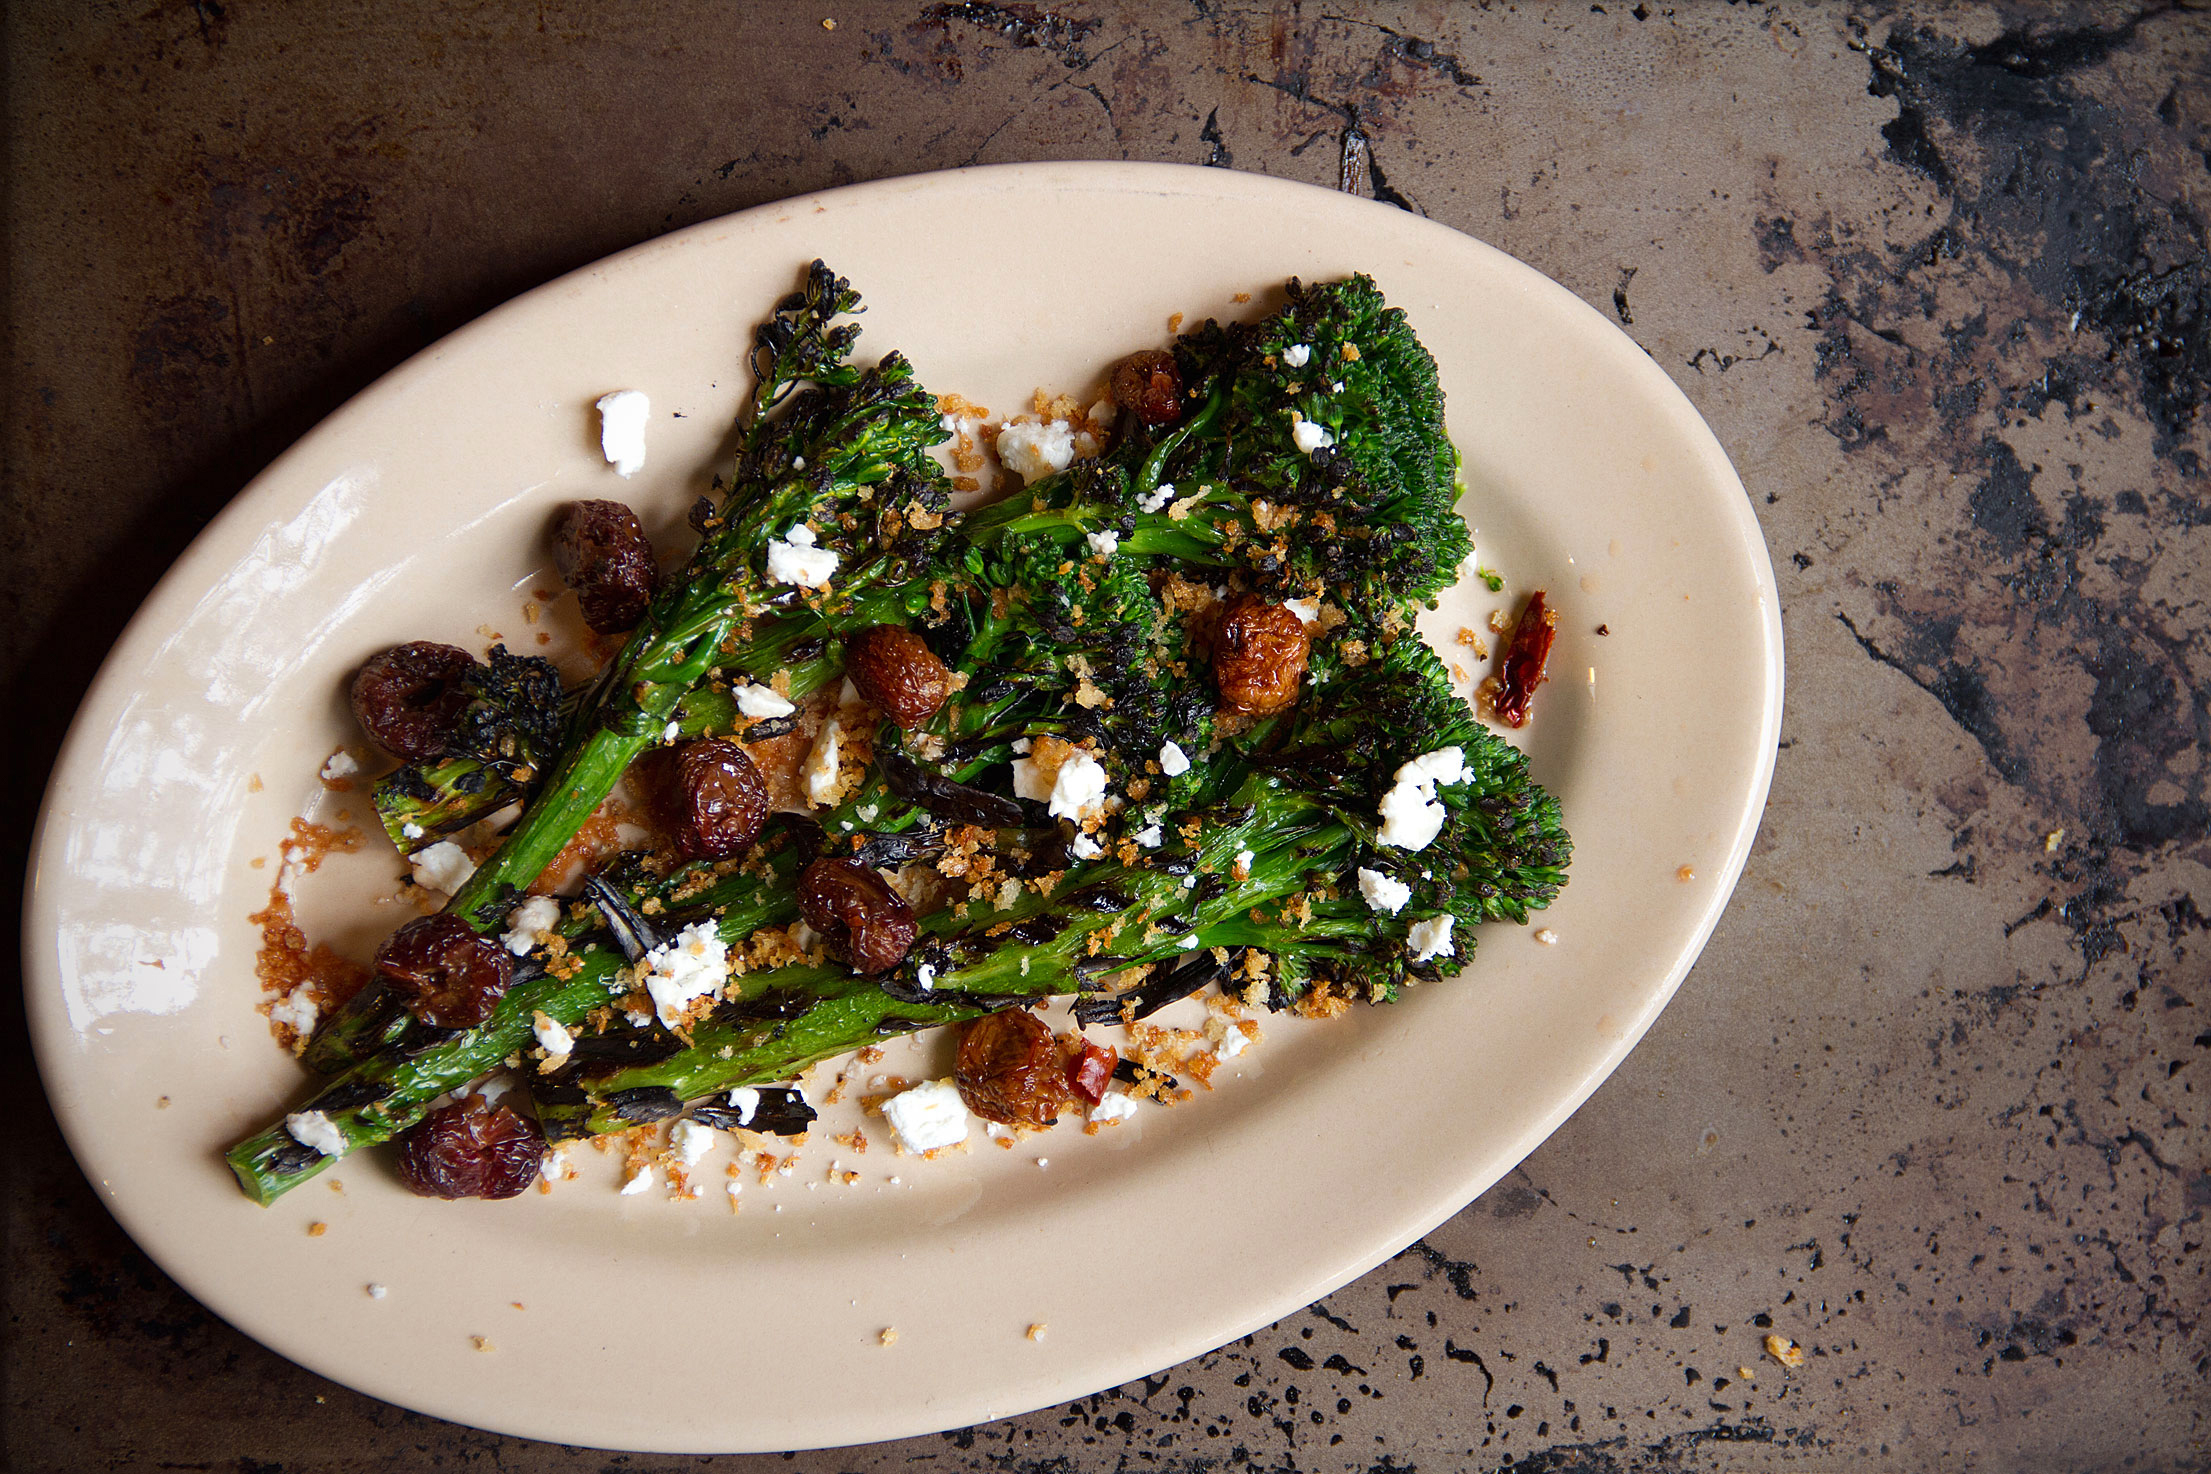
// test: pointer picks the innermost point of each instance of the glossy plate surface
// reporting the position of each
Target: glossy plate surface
(419, 511)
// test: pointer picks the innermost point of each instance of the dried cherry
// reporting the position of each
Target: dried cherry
(409, 698)
(856, 910)
(1149, 386)
(602, 553)
(1259, 655)
(448, 975)
(1009, 1070)
(472, 1149)
(711, 799)
(896, 670)
(1089, 1072)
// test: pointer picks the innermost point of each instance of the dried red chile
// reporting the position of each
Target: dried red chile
(1259, 656)
(857, 912)
(1010, 1070)
(409, 698)
(712, 800)
(896, 671)
(1089, 1072)
(447, 975)
(471, 1150)
(1523, 672)
(1149, 386)
(602, 553)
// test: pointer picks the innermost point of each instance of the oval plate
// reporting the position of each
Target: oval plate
(680, 1327)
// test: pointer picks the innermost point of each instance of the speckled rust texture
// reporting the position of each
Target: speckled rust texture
(1931, 1106)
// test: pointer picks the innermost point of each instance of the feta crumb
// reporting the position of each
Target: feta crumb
(690, 1140)
(1307, 435)
(1078, 789)
(1172, 760)
(1307, 610)
(1150, 837)
(552, 1036)
(928, 1116)
(925, 977)
(1104, 544)
(377, 1292)
(1431, 938)
(297, 1008)
(1382, 892)
(622, 417)
(411, 830)
(744, 1100)
(793, 558)
(1547, 937)
(1233, 1043)
(684, 969)
(1411, 816)
(313, 1128)
(1118, 1106)
(1152, 501)
(1297, 355)
(1033, 451)
(1190, 942)
(761, 701)
(672, 731)
(1085, 848)
(1240, 867)
(1022, 744)
(639, 1181)
(340, 764)
(444, 866)
(821, 765)
(524, 922)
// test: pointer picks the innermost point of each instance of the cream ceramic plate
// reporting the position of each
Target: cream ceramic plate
(415, 510)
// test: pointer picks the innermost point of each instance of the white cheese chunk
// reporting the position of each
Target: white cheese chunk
(1158, 497)
(313, 1128)
(794, 559)
(1084, 848)
(925, 977)
(1033, 451)
(1383, 892)
(1431, 938)
(1307, 610)
(1172, 760)
(821, 765)
(1309, 436)
(744, 1100)
(298, 1009)
(761, 701)
(1297, 355)
(1105, 544)
(1411, 816)
(524, 922)
(929, 1116)
(639, 1181)
(622, 417)
(689, 966)
(1078, 789)
(690, 1140)
(1233, 1043)
(444, 866)
(1151, 837)
(340, 764)
(553, 1037)
(1118, 1106)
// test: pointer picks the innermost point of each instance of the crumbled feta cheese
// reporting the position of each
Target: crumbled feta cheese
(1084, 848)
(313, 1128)
(1078, 789)
(925, 977)
(1307, 610)
(1105, 544)
(821, 765)
(1241, 866)
(928, 1116)
(639, 1181)
(444, 866)
(340, 764)
(495, 1087)
(1153, 500)
(1411, 816)
(672, 731)
(1150, 837)
(1547, 937)
(1022, 744)
(744, 1100)
(552, 1036)
(1172, 760)
(1033, 451)
(684, 969)
(297, 1008)
(793, 558)
(411, 830)
(377, 1292)
(690, 1140)
(1118, 1106)
(1297, 355)
(622, 417)
(1189, 882)
(1382, 892)
(1190, 943)
(1431, 938)
(761, 701)
(1233, 1043)
(1308, 435)
(524, 922)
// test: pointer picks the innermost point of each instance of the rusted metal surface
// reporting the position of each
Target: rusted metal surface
(1933, 1103)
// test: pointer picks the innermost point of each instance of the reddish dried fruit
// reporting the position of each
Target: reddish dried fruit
(1010, 1070)
(857, 912)
(602, 553)
(1089, 1072)
(711, 800)
(471, 1150)
(896, 670)
(1259, 656)
(408, 698)
(1531, 647)
(447, 975)
(1149, 386)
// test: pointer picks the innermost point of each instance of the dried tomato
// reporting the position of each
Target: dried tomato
(895, 670)
(1010, 1070)
(857, 912)
(1149, 386)
(409, 698)
(1089, 1072)
(449, 976)
(471, 1150)
(712, 799)
(603, 554)
(1523, 672)
(1259, 656)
